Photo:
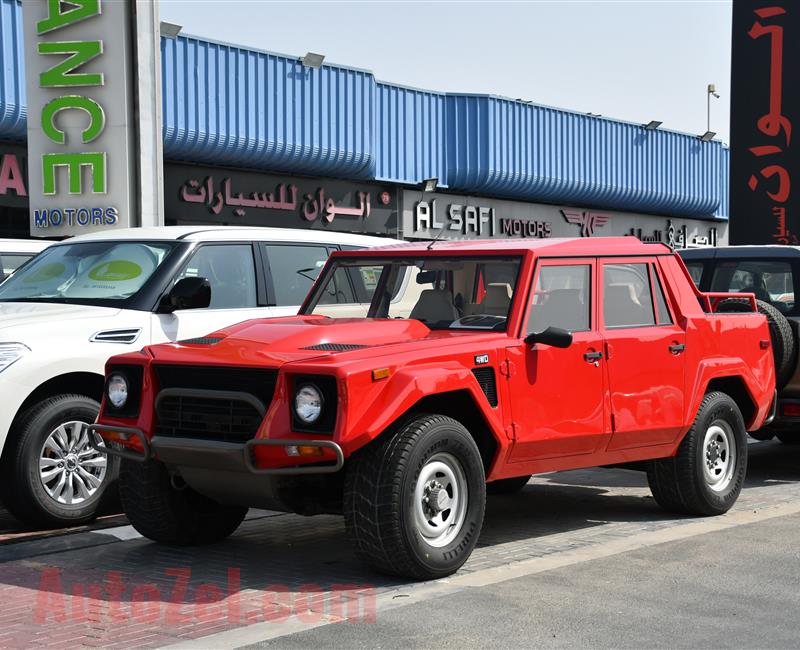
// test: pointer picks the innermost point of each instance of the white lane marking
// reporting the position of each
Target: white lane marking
(124, 533)
(420, 592)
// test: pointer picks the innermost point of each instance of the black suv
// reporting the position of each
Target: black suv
(772, 273)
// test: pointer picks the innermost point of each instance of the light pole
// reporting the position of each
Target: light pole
(712, 90)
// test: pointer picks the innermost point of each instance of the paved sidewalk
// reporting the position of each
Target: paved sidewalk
(111, 588)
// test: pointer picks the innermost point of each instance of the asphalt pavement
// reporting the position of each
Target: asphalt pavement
(583, 558)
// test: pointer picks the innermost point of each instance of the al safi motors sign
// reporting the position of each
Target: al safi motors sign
(80, 112)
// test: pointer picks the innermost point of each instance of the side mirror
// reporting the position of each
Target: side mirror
(554, 336)
(188, 293)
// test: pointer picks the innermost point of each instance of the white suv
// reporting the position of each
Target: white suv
(15, 252)
(94, 296)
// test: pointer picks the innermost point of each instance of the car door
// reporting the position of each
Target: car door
(644, 354)
(557, 393)
(237, 294)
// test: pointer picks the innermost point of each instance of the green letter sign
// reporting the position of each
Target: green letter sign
(73, 162)
(81, 10)
(97, 118)
(62, 74)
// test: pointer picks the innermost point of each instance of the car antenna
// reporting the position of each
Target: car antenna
(435, 239)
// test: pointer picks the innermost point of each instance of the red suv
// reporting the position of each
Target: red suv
(415, 375)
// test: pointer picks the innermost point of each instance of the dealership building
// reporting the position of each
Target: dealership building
(257, 138)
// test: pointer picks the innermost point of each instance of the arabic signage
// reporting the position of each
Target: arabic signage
(196, 195)
(13, 179)
(80, 115)
(446, 216)
(765, 104)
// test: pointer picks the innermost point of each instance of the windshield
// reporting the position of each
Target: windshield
(91, 272)
(442, 292)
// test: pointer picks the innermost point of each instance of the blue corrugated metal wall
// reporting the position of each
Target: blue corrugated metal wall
(225, 104)
(229, 105)
(12, 74)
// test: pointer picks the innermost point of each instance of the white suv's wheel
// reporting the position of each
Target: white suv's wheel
(52, 476)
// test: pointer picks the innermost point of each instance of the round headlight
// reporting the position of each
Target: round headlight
(117, 390)
(308, 403)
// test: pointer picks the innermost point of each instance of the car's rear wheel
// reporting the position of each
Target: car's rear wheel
(706, 475)
(163, 508)
(52, 475)
(414, 499)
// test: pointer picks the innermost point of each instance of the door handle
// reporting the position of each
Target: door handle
(593, 356)
(677, 348)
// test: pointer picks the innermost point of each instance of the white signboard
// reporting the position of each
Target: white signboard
(81, 130)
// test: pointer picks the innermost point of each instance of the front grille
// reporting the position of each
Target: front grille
(335, 347)
(486, 380)
(225, 404)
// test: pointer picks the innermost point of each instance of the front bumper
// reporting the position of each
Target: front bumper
(212, 454)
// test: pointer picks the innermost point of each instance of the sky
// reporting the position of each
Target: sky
(635, 61)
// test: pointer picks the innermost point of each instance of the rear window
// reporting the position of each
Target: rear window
(770, 281)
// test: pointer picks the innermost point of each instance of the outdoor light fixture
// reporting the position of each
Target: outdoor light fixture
(312, 60)
(652, 125)
(429, 184)
(170, 30)
(708, 136)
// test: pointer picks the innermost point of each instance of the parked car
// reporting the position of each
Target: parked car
(771, 273)
(87, 298)
(414, 374)
(15, 252)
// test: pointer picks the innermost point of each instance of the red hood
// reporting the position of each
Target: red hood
(280, 340)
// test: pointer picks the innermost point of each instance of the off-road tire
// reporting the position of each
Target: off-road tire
(784, 347)
(172, 515)
(507, 485)
(379, 498)
(678, 483)
(21, 487)
(789, 437)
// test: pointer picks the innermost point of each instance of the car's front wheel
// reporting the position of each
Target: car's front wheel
(705, 477)
(52, 476)
(414, 499)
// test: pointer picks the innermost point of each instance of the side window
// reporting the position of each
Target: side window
(661, 304)
(626, 296)
(340, 291)
(696, 271)
(10, 262)
(230, 270)
(294, 269)
(771, 281)
(561, 299)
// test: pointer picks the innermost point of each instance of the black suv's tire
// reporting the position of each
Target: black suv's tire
(46, 444)
(392, 526)
(685, 483)
(783, 343)
(172, 515)
(507, 485)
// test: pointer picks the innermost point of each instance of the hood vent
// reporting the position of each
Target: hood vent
(336, 347)
(124, 335)
(202, 340)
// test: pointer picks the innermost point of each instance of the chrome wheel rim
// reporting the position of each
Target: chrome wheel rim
(70, 470)
(719, 456)
(440, 499)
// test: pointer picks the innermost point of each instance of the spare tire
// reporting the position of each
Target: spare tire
(783, 343)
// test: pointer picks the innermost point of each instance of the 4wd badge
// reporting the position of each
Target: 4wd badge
(481, 358)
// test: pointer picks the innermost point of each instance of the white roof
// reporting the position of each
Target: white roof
(228, 233)
(23, 245)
